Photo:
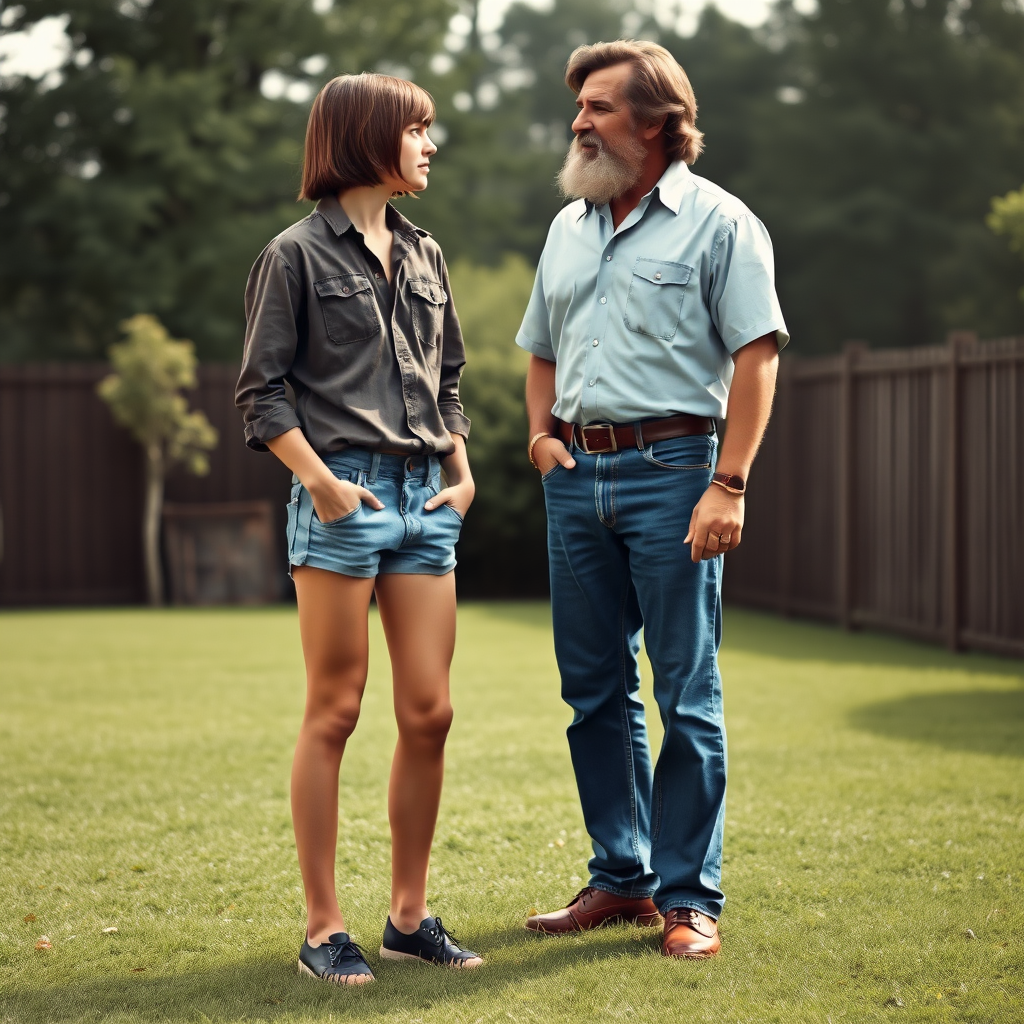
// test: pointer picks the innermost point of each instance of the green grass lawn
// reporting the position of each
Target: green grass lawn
(874, 847)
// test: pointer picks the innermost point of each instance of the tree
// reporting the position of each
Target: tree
(503, 542)
(149, 172)
(1007, 218)
(896, 123)
(505, 112)
(144, 394)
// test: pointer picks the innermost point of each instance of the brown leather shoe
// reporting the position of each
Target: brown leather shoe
(591, 908)
(690, 934)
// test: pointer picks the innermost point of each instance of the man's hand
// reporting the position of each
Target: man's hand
(549, 452)
(716, 524)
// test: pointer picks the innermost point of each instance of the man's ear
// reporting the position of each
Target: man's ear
(652, 131)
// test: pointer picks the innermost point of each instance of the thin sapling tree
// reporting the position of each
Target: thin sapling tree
(151, 370)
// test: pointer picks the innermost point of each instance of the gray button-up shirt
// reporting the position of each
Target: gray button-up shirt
(642, 321)
(370, 365)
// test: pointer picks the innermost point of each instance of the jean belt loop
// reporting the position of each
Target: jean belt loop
(374, 468)
(638, 430)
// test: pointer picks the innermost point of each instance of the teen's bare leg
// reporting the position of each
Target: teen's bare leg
(332, 622)
(418, 615)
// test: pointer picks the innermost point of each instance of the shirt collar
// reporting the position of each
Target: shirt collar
(671, 187)
(332, 211)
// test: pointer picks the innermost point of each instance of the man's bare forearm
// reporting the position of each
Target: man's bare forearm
(750, 404)
(540, 395)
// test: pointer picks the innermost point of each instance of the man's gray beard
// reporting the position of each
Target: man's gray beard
(602, 177)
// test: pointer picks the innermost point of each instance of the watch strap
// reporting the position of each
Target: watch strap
(732, 483)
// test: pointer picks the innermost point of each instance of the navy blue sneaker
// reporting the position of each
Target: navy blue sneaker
(336, 960)
(431, 942)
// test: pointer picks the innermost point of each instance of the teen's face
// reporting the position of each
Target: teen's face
(414, 162)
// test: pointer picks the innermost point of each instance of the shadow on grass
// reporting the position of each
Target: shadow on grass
(269, 989)
(980, 721)
(760, 633)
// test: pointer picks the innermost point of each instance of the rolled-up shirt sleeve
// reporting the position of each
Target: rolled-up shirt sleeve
(742, 300)
(453, 359)
(273, 306)
(535, 333)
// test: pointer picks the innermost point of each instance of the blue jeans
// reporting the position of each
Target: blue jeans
(616, 524)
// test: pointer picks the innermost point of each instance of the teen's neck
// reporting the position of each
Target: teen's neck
(367, 208)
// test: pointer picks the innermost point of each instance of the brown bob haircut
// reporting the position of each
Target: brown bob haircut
(354, 135)
(657, 89)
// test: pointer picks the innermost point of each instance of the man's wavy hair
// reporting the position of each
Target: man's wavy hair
(354, 135)
(658, 88)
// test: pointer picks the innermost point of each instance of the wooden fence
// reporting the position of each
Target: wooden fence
(71, 484)
(889, 493)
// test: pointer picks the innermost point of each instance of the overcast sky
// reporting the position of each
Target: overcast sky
(45, 45)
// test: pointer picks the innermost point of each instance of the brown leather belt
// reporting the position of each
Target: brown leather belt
(597, 438)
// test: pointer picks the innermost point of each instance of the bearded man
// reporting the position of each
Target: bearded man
(654, 306)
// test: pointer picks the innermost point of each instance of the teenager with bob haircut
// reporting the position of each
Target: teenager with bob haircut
(351, 307)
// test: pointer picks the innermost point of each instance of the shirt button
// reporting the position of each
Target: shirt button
(595, 343)
(657, 277)
(592, 383)
(378, 276)
(603, 300)
(608, 259)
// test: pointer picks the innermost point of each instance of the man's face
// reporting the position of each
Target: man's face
(607, 156)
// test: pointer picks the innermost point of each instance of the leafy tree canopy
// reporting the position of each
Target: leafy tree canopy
(151, 175)
(869, 136)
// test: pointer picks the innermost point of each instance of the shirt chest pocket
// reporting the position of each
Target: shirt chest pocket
(655, 299)
(427, 299)
(348, 307)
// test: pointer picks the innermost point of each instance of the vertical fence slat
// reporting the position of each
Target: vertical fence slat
(924, 498)
(844, 487)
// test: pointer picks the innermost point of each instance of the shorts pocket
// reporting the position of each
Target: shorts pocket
(452, 511)
(349, 308)
(331, 523)
(695, 452)
(655, 300)
(427, 300)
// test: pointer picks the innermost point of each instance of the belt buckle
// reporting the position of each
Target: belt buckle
(612, 446)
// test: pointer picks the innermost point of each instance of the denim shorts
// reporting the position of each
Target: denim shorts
(401, 537)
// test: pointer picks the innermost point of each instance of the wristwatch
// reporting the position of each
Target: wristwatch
(733, 484)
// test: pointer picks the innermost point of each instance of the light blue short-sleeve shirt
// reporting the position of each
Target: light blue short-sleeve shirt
(642, 321)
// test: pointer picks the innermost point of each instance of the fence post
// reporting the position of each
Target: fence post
(955, 342)
(784, 419)
(844, 484)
